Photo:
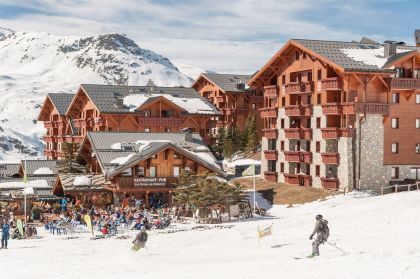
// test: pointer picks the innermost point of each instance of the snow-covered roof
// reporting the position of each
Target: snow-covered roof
(104, 98)
(41, 183)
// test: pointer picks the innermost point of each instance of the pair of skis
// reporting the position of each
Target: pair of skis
(313, 256)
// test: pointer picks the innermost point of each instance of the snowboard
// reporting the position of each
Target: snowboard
(19, 225)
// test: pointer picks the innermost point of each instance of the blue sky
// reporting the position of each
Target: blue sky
(225, 36)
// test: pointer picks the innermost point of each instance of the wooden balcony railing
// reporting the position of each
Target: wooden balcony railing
(50, 124)
(298, 179)
(291, 178)
(270, 176)
(268, 113)
(299, 87)
(299, 110)
(404, 83)
(347, 108)
(333, 83)
(160, 122)
(69, 138)
(271, 91)
(372, 108)
(298, 156)
(330, 158)
(347, 132)
(332, 108)
(256, 99)
(220, 99)
(49, 138)
(270, 133)
(298, 133)
(330, 133)
(330, 183)
(270, 155)
(145, 182)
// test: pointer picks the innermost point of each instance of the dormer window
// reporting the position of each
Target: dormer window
(127, 147)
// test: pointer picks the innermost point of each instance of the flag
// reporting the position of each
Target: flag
(265, 232)
(249, 171)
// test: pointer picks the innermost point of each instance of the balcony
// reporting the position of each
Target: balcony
(298, 156)
(50, 124)
(404, 83)
(270, 155)
(298, 133)
(160, 122)
(330, 133)
(270, 133)
(332, 109)
(333, 83)
(330, 183)
(270, 176)
(330, 158)
(299, 87)
(145, 182)
(268, 113)
(49, 138)
(372, 108)
(271, 91)
(299, 110)
(335, 133)
(347, 108)
(256, 99)
(298, 179)
(291, 178)
(220, 99)
(68, 138)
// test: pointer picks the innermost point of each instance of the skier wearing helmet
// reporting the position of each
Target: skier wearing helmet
(322, 233)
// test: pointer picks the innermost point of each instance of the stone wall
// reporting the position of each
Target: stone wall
(317, 136)
(345, 168)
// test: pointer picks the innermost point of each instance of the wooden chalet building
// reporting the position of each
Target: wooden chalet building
(232, 97)
(143, 165)
(341, 114)
(123, 108)
(53, 114)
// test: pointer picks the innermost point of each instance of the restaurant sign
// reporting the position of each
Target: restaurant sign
(149, 181)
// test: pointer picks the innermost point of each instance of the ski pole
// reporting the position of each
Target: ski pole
(336, 247)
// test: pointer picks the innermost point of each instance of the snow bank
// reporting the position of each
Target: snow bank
(82, 180)
(240, 162)
(44, 171)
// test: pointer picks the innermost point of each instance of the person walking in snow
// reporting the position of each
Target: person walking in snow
(140, 240)
(322, 233)
(5, 228)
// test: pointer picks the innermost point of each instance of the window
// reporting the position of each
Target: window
(176, 171)
(167, 113)
(319, 76)
(318, 99)
(147, 113)
(304, 55)
(418, 123)
(154, 156)
(418, 148)
(146, 130)
(309, 99)
(271, 144)
(127, 172)
(187, 168)
(308, 169)
(140, 171)
(176, 156)
(400, 72)
(308, 146)
(297, 55)
(127, 147)
(282, 123)
(283, 79)
(254, 106)
(282, 145)
(394, 148)
(318, 146)
(308, 123)
(415, 173)
(417, 98)
(281, 167)
(396, 98)
(395, 172)
(394, 123)
(272, 165)
(152, 172)
(318, 122)
(317, 170)
(283, 101)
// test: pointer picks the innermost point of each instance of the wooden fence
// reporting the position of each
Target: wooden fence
(401, 186)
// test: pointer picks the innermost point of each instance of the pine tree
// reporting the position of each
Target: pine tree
(253, 140)
(220, 138)
(236, 139)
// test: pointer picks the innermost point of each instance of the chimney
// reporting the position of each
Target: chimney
(417, 37)
(188, 136)
(390, 48)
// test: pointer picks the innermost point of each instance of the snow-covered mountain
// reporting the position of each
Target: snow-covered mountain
(34, 64)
